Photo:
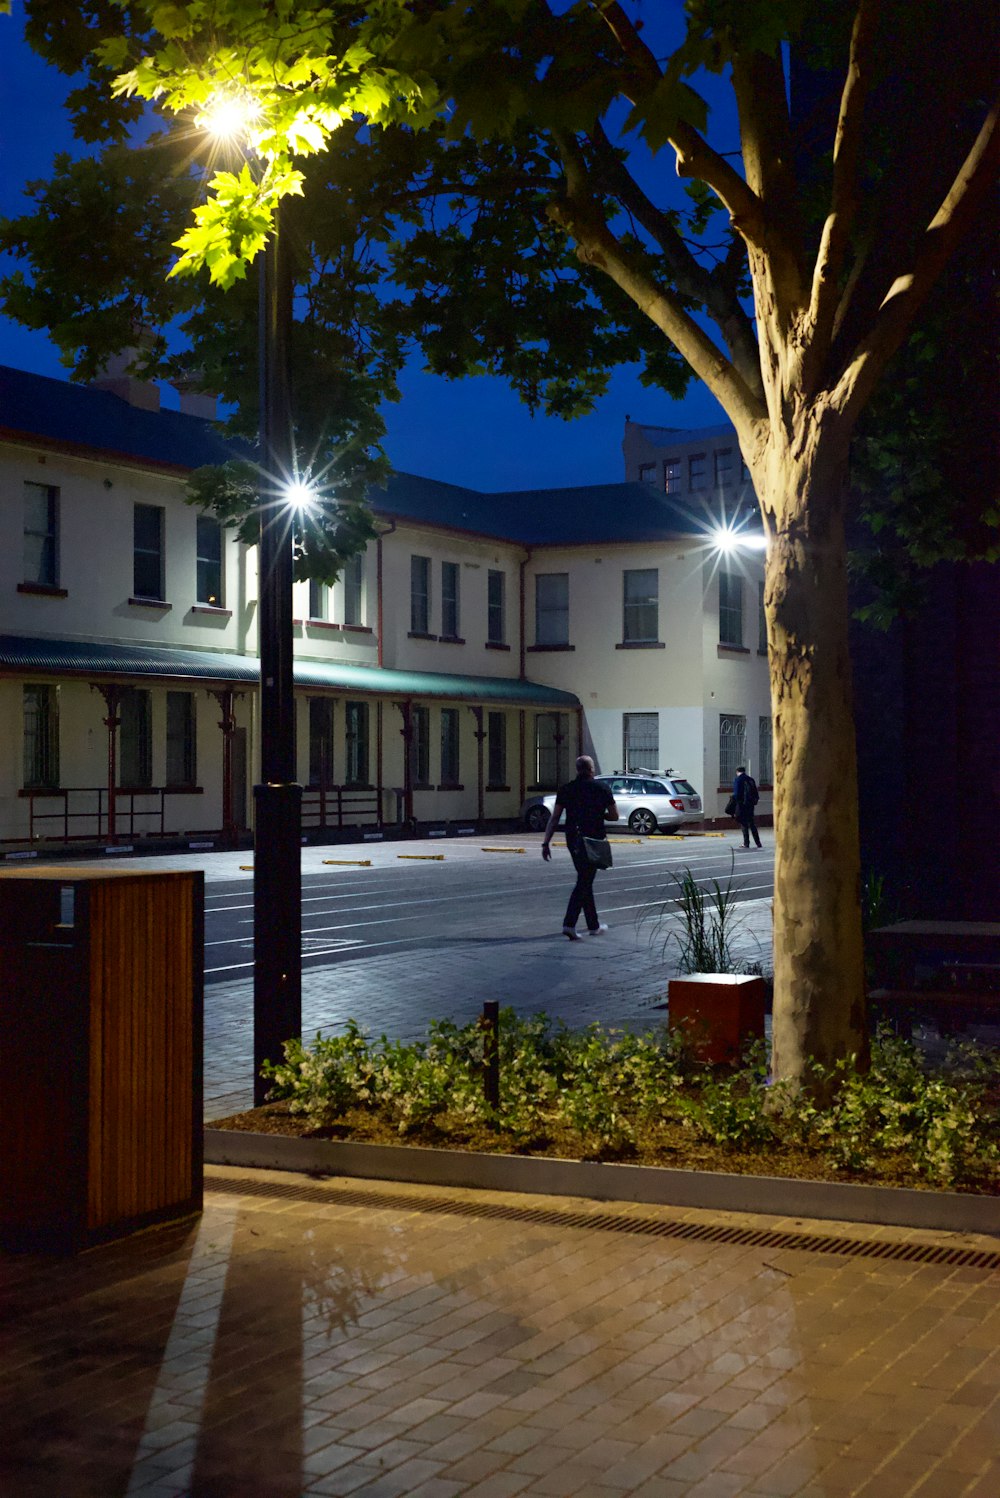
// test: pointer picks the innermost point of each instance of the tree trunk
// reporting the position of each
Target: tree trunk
(819, 995)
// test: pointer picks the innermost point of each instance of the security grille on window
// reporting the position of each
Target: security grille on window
(761, 620)
(147, 542)
(449, 600)
(642, 608)
(420, 595)
(319, 595)
(552, 608)
(135, 762)
(724, 466)
(642, 741)
(497, 609)
(321, 769)
(209, 545)
(356, 738)
(449, 746)
(551, 750)
(420, 723)
(181, 752)
(353, 585)
(730, 608)
(697, 471)
(732, 745)
(765, 764)
(673, 476)
(496, 741)
(41, 736)
(41, 522)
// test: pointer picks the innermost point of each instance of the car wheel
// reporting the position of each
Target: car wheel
(642, 821)
(537, 819)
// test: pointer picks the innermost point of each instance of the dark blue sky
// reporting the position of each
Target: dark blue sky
(473, 432)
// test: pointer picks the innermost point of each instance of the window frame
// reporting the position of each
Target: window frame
(47, 567)
(697, 477)
(737, 735)
(673, 476)
(650, 757)
(730, 608)
(765, 749)
(551, 613)
(135, 740)
(451, 735)
(557, 747)
(40, 741)
(186, 735)
(142, 552)
(420, 746)
(635, 610)
(723, 471)
(319, 601)
(354, 585)
(496, 608)
(357, 760)
(451, 601)
(420, 595)
(496, 750)
(322, 742)
(202, 562)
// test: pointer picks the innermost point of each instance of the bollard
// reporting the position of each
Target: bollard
(490, 1026)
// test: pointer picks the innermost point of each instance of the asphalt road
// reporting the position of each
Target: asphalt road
(418, 893)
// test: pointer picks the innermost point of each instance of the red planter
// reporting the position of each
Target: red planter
(717, 1012)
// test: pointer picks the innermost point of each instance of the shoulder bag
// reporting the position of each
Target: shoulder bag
(598, 850)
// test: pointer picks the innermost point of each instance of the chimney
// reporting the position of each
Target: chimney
(195, 399)
(117, 378)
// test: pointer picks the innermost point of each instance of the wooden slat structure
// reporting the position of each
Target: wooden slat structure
(101, 1019)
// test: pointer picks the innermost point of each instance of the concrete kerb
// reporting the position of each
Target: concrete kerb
(947, 1211)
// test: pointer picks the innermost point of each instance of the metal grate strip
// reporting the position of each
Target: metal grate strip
(876, 1248)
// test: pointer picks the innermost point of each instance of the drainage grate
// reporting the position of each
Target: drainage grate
(645, 1227)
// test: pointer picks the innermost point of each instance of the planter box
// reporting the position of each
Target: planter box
(717, 1012)
(947, 1211)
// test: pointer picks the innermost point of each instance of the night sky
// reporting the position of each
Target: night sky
(473, 432)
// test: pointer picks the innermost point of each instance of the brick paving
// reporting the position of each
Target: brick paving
(336, 1338)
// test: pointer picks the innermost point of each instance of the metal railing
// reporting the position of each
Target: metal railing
(76, 805)
(338, 806)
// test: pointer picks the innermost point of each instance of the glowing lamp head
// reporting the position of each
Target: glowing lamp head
(229, 115)
(299, 496)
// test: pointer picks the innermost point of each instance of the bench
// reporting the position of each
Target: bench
(947, 971)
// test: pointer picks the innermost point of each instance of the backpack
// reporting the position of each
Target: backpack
(751, 794)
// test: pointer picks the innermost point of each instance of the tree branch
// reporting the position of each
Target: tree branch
(692, 280)
(581, 216)
(823, 300)
(910, 288)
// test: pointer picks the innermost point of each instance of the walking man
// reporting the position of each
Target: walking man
(586, 802)
(746, 796)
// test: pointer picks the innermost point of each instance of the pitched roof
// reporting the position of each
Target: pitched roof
(98, 424)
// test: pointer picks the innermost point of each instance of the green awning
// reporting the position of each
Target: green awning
(22, 654)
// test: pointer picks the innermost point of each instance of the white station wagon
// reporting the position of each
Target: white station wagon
(647, 802)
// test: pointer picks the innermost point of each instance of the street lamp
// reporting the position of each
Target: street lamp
(277, 901)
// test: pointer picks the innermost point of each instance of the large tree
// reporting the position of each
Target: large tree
(787, 283)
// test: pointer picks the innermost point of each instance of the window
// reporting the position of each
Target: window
(642, 740)
(496, 611)
(135, 767)
(319, 600)
(761, 620)
(321, 741)
(357, 743)
(732, 745)
(730, 608)
(420, 724)
(765, 763)
(552, 608)
(496, 740)
(353, 584)
(181, 760)
(724, 466)
(697, 471)
(420, 595)
(147, 552)
(41, 520)
(551, 750)
(642, 614)
(41, 737)
(647, 473)
(672, 476)
(449, 746)
(449, 600)
(209, 546)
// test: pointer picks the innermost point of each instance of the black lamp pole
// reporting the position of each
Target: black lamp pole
(277, 903)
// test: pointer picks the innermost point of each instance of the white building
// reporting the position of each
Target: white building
(462, 663)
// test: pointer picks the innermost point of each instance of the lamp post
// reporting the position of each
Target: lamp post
(277, 899)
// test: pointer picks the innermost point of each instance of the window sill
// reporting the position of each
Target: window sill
(213, 610)
(151, 603)
(183, 790)
(450, 640)
(356, 629)
(641, 645)
(319, 624)
(42, 790)
(498, 788)
(724, 650)
(541, 649)
(422, 785)
(496, 645)
(43, 590)
(451, 786)
(416, 634)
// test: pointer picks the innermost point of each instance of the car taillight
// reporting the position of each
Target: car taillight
(677, 803)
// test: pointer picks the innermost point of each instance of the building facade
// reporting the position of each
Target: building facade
(481, 642)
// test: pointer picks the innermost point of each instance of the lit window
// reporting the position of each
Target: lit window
(209, 550)
(672, 476)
